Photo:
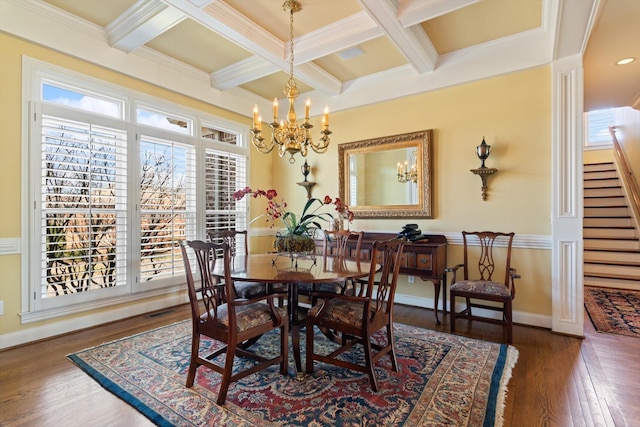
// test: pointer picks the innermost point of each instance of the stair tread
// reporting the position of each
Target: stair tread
(612, 227)
(613, 276)
(615, 263)
(608, 216)
(612, 196)
(612, 250)
(611, 238)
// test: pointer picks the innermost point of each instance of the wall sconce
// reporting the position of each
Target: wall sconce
(483, 151)
(406, 174)
(306, 169)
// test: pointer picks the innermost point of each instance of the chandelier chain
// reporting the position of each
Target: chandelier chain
(291, 57)
(290, 136)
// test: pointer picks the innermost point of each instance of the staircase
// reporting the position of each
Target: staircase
(611, 240)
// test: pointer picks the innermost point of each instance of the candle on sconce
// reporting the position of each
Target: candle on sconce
(399, 169)
(307, 107)
(275, 109)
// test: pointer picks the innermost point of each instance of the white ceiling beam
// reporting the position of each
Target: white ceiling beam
(351, 31)
(339, 35)
(414, 12)
(412, 42)
(575, 20)
(222, 19)
(242, 72)
(143, 21)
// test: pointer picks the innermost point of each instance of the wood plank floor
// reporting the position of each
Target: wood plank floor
(558, 380)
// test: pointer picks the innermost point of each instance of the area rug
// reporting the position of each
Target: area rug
(615, 311)
(444, 380)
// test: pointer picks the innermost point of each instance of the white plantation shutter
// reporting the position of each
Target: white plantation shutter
(224, 174)
(167, 205)
(83, 207)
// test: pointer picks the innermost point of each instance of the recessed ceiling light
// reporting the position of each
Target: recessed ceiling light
(625, 61)
(350, 53)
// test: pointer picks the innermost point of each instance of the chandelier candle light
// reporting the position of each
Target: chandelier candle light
(408, 175)
(290, 137)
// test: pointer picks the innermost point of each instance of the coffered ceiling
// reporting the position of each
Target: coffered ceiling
(349, 53)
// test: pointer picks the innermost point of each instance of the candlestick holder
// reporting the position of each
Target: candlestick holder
(483, 151)
(308, 185)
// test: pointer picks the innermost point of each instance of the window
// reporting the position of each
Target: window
(113, 191)
(167, 205)
(224, 174)
(597, 134)
(83, 199)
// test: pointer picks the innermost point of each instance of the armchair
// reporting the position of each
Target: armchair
(483, 287)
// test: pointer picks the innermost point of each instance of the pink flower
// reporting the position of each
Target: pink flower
(310, 218)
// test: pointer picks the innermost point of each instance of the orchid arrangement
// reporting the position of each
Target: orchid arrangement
(307, 221)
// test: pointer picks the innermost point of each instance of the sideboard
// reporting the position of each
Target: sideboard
(425, 259)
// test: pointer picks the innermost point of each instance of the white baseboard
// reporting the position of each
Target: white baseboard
(520, 317)
(52, 328)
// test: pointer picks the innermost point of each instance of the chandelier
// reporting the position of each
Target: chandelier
(406, 173)
(290, 137)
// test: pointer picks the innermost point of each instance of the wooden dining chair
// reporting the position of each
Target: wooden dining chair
(478, 284)
(356, 318)
(337, 243)
(236, 323)
(239, 243)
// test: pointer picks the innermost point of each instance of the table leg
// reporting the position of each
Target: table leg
(436, 291)
(294, 324)
(443, 280)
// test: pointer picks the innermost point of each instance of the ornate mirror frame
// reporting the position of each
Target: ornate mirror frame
(422, 141)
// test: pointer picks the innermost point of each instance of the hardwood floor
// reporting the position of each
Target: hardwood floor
(558, 380)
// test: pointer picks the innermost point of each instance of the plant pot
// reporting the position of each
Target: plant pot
(294, 243)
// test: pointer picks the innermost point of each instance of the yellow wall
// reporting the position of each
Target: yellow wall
(513, 113)
(598, 156)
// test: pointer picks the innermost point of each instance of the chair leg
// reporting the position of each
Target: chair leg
(452, 312)
(309, 351)
(226, 376)
(392, 353)
(284, 348)
(509, 321)
(193, 364)
(370, 367)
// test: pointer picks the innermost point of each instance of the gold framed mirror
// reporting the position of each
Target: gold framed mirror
(387, 177)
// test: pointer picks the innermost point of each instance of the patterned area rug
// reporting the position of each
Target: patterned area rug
(616, 311)
(444, 380)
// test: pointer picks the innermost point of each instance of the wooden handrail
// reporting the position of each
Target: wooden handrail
(629, 182)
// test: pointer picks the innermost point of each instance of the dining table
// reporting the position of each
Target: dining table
(291, 271)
